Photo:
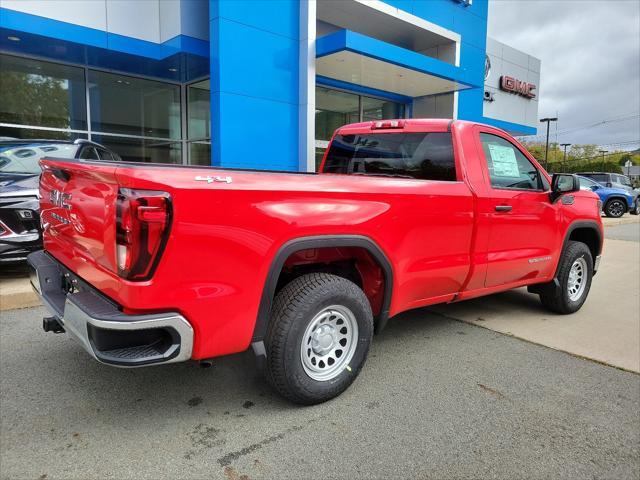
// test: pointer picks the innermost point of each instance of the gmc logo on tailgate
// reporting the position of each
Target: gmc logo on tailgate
(60, 199)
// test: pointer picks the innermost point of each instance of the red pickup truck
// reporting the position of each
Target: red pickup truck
(148, 264)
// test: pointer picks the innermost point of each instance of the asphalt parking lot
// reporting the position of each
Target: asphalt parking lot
(438, 399)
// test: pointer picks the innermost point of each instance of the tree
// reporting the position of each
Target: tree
(29, 99)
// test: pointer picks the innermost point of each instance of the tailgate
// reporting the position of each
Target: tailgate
(78, 202)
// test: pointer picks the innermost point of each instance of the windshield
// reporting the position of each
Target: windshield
(23, 159)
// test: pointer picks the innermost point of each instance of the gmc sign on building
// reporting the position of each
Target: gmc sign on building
(511, 85)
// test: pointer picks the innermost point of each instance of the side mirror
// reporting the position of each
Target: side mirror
(562, 183)
(595, 187)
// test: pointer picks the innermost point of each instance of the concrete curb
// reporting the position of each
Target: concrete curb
(17, 293)
(610, 222)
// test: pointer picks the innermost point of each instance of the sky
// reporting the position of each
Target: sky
(590, 53)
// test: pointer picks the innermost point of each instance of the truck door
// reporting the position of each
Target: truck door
(522, 221)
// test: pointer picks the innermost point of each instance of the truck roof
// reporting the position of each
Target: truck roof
(404, 124)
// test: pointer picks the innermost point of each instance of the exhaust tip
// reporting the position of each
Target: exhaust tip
(52, 324)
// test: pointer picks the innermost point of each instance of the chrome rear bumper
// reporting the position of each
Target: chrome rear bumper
(106, 333)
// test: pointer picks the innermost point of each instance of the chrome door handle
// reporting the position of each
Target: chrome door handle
(503, 208)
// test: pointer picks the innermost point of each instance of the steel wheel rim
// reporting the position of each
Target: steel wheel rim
(616, 209)
(329, 342)
(577, 279)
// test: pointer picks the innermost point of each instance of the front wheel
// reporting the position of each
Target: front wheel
(575, 272)
(615, 208)
(636, 207)
(318, 338)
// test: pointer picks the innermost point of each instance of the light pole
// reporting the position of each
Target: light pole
(564, 159)
(603, 152)
(548, 120)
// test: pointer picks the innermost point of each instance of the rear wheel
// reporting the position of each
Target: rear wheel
(615, 208)
(318, 339)
(636, 207)
(575, 272)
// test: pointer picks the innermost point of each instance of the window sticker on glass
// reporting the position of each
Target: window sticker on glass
(504, 161)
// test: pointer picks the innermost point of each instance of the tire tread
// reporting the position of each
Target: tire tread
(285, 308)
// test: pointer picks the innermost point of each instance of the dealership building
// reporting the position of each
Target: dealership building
(251, 83)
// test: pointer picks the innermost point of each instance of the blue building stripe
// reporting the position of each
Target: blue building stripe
(34, 24)
(367, 91)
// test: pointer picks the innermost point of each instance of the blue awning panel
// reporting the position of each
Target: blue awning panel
(355, 58)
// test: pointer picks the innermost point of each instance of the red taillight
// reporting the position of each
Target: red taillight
(387, 124)
(143, 220)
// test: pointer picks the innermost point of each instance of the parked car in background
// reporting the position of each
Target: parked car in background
(615, 180)
(615, 201)
(19, 173)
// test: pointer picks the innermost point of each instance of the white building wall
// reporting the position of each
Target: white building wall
(86, 14)
(151, 20)
(506, 106)
(134, 19)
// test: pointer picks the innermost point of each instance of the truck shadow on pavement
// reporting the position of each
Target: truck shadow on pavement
(233, 386)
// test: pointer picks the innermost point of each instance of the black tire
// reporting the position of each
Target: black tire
(558, 299)
(615, 208)
(296, 306)
(636, 207)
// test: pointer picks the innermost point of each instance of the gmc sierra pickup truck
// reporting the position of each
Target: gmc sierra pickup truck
(148, 264)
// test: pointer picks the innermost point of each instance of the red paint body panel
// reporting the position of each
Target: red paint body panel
(444, 240)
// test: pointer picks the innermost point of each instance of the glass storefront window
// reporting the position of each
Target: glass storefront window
(44, 94)
(376, 109)
(138, 118)
(142, 149)
(32, 133)
(199, 123)
(334, 109)
(134, 106)
(200, 153)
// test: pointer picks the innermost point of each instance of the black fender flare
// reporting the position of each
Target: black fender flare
(591, 224)
(554, 284)
(305, 243)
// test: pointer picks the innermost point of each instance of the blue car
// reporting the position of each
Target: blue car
(615, 201)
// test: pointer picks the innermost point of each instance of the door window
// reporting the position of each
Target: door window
(508, 167)
(622, 180)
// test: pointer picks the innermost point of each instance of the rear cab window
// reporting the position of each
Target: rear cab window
(416, 155)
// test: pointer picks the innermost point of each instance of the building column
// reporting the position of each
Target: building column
(307, 85)
(256, 93)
